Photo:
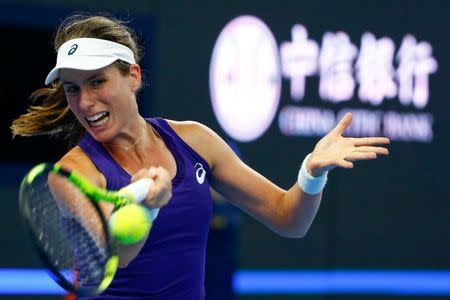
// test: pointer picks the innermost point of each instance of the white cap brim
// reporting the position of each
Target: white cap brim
(89, 54)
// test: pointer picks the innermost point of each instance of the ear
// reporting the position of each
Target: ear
(136, 77)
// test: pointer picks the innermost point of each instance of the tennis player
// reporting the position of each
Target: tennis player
(90, 100)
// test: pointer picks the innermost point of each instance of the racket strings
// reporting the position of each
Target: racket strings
(89, 259)
(74, 245)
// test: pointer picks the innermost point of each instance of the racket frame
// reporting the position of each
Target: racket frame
(95, 195)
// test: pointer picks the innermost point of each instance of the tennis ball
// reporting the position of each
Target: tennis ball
(130, 224)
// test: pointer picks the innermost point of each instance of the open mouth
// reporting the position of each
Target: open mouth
(98, 119)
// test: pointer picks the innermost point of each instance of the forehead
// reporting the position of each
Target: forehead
(78, 76)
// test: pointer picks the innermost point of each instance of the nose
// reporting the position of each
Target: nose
(87, 99)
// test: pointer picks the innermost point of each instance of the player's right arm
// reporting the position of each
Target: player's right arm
(77, 160)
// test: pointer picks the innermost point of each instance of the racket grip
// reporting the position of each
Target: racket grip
(138, 190)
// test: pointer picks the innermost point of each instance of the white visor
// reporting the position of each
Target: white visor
(88, 54)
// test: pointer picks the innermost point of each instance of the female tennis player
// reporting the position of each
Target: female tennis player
(91, 100)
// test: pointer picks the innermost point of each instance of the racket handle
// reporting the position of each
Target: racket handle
(138, 190)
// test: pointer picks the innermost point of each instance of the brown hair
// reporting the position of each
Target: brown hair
(49, 112)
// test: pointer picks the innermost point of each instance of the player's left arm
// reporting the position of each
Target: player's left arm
(288, 212)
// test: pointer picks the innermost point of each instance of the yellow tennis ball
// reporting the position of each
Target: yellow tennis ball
(130, 224)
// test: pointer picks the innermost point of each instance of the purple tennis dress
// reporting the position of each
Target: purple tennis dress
(172, 262)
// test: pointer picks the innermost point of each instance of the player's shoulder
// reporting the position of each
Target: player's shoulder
(197, 135)
(188, 130)
(77, 160)
(74, 158)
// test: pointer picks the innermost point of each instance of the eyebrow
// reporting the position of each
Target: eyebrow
(101, 73)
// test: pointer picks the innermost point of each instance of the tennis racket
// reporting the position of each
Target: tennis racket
(61, 212)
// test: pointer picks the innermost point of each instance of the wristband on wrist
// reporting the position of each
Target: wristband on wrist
(309, 184)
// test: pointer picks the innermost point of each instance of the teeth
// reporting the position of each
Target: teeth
(96, 117)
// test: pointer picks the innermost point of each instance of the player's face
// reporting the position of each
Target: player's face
(104, 100)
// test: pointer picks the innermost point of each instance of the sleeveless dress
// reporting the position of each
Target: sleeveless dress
(171, 263)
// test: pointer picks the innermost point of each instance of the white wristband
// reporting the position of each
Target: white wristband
(309, 184)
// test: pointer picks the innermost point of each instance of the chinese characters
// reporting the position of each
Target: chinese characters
(375, 70)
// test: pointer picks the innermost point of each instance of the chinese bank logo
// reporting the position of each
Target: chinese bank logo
(245, 79)
(245, 82)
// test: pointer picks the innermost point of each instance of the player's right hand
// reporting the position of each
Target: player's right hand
(160, 191)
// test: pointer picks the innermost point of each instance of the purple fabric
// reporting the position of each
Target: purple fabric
(172, 262)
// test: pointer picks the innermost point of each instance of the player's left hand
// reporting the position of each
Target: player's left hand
(335, 150)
